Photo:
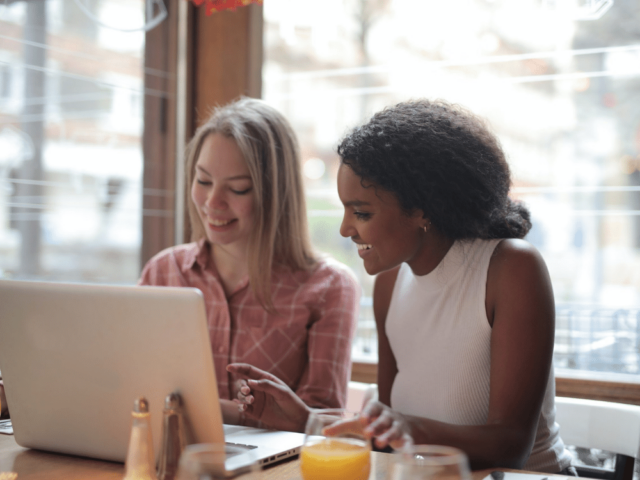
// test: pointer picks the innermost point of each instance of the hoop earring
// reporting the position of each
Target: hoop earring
(427, 226)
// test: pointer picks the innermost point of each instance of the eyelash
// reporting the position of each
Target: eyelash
(237, 192)
(362, 215)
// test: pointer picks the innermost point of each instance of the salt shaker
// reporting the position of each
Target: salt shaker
(173, 439)
(140, 464)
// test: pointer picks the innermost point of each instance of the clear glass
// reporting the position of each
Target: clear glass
(71, 123)
(345, 454)
(429, 462)
(206, 461)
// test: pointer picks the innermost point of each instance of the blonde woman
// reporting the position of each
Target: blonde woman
(270, 300)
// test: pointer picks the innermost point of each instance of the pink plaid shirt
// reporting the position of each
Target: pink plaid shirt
(307, 345)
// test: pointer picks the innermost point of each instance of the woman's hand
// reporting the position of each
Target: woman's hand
(264, 397)
(377, 421)
(385, 426)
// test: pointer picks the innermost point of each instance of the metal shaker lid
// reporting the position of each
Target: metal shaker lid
(141, 405)
(172, 401)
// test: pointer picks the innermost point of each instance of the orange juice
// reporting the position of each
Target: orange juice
(335, 458)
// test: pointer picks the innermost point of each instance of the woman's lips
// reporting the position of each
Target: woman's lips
(220, 224)
(364, 249)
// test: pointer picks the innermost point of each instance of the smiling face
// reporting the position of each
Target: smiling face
(386, 236)
(222, 192)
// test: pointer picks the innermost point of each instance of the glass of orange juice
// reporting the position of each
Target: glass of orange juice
(344, 453)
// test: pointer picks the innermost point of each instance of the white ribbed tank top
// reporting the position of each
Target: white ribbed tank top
(440, 336)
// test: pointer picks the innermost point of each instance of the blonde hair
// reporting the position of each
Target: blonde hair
(280, 236)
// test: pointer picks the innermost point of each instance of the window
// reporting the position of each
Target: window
(559, 82)
(71, 123)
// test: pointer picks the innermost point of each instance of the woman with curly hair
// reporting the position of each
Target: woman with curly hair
(464, 307)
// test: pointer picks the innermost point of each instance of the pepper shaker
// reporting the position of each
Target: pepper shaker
(173, 439)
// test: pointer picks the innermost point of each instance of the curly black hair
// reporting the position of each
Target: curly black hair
(442, 159)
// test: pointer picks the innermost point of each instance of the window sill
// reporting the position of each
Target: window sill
(610, 387)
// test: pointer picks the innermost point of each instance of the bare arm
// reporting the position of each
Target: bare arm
(387, 369)
(520, 307)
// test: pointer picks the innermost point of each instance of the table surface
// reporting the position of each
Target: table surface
(35, 465)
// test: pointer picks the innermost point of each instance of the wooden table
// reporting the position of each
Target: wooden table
(37, 465)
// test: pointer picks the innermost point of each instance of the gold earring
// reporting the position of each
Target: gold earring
(427, 226)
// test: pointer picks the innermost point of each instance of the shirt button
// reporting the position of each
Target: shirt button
(221, 349)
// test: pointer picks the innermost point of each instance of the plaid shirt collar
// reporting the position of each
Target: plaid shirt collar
(201, 255)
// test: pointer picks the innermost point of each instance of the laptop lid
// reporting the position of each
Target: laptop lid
(74, 357)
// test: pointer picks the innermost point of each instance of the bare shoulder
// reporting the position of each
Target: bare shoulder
(512, 255)
(382, 291)
(517, 277)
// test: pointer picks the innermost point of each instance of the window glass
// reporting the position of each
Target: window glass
(71, 92)
(559, 83)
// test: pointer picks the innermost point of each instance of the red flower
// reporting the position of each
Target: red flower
(213, 6)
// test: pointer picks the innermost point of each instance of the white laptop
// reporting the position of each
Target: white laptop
(74, 357)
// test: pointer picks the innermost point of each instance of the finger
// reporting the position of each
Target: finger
(371, 411)
(253, 404)
(244, 399)
(277, 390)
(248, 409)
(402, 443)
(250, 372)
(253, 410)
(392, 435)
(241, 387)
(342, 427)
(379, 425)
(243, 392)
(239, 383)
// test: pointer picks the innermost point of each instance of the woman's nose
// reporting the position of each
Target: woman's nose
(346, 230)
(216, 199)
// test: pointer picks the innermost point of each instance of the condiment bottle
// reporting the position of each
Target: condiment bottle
(173, 440)
(140, 464)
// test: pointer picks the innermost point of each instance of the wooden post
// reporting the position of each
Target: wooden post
(227, 58)
(159, 137)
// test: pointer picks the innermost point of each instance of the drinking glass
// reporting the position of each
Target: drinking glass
(429, 462)
(343, 453)
(206, 461)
